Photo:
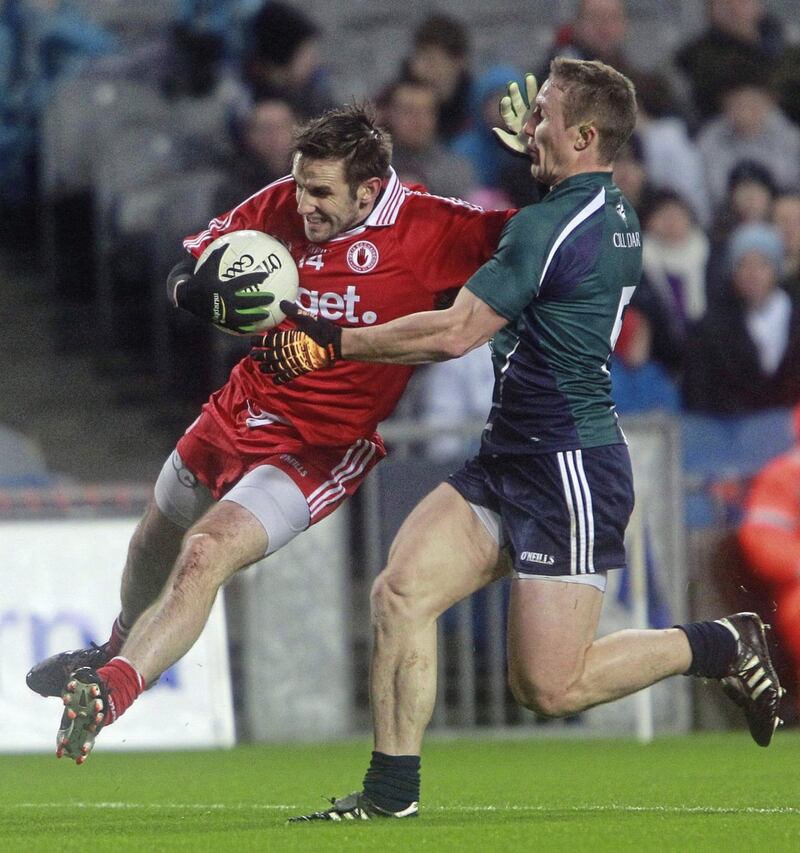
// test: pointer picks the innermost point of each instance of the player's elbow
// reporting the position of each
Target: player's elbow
(455, 343)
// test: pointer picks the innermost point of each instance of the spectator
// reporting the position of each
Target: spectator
(598, 31)
(630, 174)
(223, 19)
(638, 383)
(786, 218)
(749, 199)
(42, 43)
(786, 81)
(672, 294)
(740, 44)
(440, 58)
(670, 156)
(59, 39)
(751, 127)
(409, 111)
(770, 540)
(16, 127)
(263, 152)
(745, 355)
(192, 63)
(454, 392)
(494, 166)
(282, 60)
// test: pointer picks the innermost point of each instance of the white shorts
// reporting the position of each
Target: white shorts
(267, 492)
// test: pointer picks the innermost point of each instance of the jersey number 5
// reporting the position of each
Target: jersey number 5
(624, 299)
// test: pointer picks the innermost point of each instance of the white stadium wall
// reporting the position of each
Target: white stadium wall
(60, 590)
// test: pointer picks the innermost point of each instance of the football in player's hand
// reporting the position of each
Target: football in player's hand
(248, 253)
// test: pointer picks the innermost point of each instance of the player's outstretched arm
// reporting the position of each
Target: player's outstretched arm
(230, 304)
(316, 343)
(515, 110)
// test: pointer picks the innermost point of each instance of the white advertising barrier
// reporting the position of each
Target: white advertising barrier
(59, 590)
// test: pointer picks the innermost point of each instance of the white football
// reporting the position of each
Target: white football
(253, 251)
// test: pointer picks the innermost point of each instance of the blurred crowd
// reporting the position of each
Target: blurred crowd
(713, 168)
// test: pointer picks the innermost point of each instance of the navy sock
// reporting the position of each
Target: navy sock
(713, 648)
(392, 781)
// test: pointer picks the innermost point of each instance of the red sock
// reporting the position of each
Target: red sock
(119, 633)
(123, 684)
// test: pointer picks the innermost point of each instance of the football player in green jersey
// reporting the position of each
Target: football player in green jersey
(551, 485)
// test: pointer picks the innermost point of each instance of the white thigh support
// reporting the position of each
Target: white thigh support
(179, 495)
(491, 521)
(597, 579)
(275, 500)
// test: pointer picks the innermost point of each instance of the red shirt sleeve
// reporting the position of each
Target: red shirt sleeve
(257, 212)
(446, 240)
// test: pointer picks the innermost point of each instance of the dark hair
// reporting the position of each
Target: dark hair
(276, 31)
(348, 133)
(654, 93)
(597, 93)
(659, 198)
(751, 170)
(444, 32)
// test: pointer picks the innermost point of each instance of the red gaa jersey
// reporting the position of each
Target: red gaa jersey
(411, 247)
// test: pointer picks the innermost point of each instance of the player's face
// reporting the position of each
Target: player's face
(324, 199)
(551, 144)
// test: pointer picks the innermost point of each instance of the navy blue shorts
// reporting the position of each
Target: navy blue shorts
(561, 513)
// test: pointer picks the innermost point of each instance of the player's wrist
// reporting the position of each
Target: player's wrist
(177, 279)
(194, 296)
(347, 344)
(178, 289)
(335, 344)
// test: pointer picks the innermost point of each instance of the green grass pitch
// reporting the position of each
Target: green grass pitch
(702, 792)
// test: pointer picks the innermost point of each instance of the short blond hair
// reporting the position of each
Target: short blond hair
(597, 94)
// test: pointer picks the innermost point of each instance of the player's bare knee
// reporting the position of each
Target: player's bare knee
(203, 561)
(394, 599)
(387, 598)
(547, 699)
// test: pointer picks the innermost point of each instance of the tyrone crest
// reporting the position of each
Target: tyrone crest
(362, 256)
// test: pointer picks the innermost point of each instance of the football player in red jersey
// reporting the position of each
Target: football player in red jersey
(263, 462)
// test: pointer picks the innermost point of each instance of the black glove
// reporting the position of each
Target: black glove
(234, 304)
(316, 344)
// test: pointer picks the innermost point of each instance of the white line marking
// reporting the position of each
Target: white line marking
(618, 808)
(156, 806)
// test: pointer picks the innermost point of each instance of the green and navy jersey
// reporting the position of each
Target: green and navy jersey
(562, 275)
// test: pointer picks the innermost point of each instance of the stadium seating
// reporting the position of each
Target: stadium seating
(83, 115)
(131, 21)
(727, 450)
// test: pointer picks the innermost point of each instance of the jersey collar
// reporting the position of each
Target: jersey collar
(388, 205)
(386, 208)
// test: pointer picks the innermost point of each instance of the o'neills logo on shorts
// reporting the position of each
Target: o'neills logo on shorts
(537, 557)
(295, 463)
(362, 256)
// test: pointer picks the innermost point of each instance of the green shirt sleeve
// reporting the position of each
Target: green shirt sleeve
(510, 279)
